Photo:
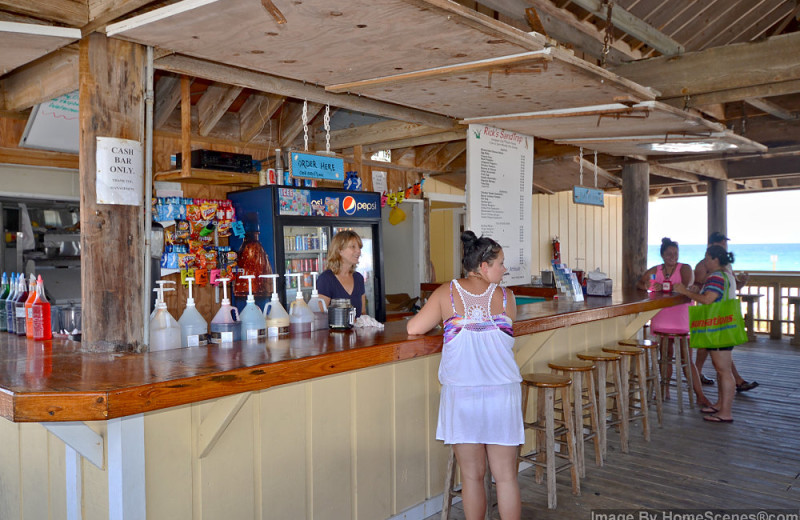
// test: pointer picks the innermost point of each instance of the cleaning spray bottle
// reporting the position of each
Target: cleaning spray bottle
(3, 297)
(318, 307)
(301, 319)
(165, 333)
(225, 327)
(194, 328)
(254, 325)
(276, 316)
(42, 327)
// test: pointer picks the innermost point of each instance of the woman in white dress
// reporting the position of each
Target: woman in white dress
(480, 411)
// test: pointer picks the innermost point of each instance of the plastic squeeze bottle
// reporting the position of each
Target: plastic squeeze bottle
(276, 316)
(194, 328)
(318, 307)
(254, 326)
(12, 297)
(19, 307)
(32, 287)
(225, 327)
(42, 327)
(6, 290)
(165, 333)
(301, 319)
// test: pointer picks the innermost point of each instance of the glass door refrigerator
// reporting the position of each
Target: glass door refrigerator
(295, 226)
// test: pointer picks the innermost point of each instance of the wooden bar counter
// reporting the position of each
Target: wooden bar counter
(324, 426)
(53, 381)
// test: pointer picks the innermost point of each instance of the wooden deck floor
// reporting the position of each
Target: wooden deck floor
(693, 464)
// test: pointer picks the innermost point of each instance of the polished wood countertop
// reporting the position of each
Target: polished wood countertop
(55, 381)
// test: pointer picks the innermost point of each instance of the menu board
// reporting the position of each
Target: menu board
(499, 194)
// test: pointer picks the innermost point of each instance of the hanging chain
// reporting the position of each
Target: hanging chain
(327, 129)
(607, 39)
(305, 124)
(581, 165)
(595, 168)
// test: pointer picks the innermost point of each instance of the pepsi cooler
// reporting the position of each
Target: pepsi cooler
(295, 227)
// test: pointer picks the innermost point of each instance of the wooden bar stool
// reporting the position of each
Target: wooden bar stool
(584, 404)
(653, 372)
(606, 363)
(450, 487)
(639, 387)
(682, 360)
(544, 425)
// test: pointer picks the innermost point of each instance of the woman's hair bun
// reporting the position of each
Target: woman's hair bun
(468, 239)
(666, 240)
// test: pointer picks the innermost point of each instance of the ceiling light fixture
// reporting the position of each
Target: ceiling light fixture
(689, 147)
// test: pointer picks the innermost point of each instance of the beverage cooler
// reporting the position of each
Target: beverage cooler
(295, 226)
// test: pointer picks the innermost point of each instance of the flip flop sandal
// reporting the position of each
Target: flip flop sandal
(708, 409)
(706, 381)
(744, 387)
(717, 419)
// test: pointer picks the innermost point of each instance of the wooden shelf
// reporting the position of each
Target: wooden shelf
(209, 177)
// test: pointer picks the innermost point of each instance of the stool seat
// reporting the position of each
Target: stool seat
(642, 343)
(571, 365)
(547, 380)
(623, 350)
(598, 356)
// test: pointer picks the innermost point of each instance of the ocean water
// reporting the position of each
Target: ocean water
(749, 257)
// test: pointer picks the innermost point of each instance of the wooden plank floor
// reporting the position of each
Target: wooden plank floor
(693, 464)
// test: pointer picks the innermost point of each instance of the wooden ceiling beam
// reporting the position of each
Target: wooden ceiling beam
(720, 68)
(103, 12)
(31, 157)
(74, 13)
(255, 112)
(292, 121)
(452, 135)
(771, 108)
(213, 104)
(46, 78)
(634, 26)
(450, 153)
(382, 132)
(710, 169)
(297, 89)
(672, 173)
(226, 132)
(735, 94)
(425, 153)
(168, 95)
(565, 27)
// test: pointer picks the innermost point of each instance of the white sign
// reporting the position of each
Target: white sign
(499, 194)
(120, 177)
(379, 182)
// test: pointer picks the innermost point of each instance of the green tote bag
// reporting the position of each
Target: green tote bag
(717, 325)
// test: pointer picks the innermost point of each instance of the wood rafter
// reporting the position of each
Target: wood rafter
(297, 89)
(74, 13)
(213, 104)
(255, 112)
(453, 135)
(292, 121)
(382, 132)
(168, 95)
(636, 27)
(720, 68)
(54, 75)
(103, 12)
(771, 108)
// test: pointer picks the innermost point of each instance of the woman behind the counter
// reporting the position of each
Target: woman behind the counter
(340, 279)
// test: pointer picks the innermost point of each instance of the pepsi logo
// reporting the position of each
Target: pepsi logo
(349, 205)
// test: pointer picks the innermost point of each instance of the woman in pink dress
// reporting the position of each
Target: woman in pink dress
(672, 320)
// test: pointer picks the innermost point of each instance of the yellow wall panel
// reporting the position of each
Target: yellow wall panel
(331, 449)
(33, 448)
(373, 427)
(168, 463)
(283, 427)
(411, 434)
(95, 481)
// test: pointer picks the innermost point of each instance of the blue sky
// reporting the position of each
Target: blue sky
(753, 218)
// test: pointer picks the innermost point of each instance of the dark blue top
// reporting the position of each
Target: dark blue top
(330, 286)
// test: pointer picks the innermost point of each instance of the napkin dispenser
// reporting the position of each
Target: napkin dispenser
(598, 284)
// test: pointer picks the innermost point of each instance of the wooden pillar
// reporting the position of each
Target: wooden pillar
(635, 197)
(112, 81)
(717, 206)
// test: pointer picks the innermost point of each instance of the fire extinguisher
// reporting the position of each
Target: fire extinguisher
(556, 250)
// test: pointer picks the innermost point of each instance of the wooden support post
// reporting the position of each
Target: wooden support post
(112, 79)
(635, 191)
(717, 206)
